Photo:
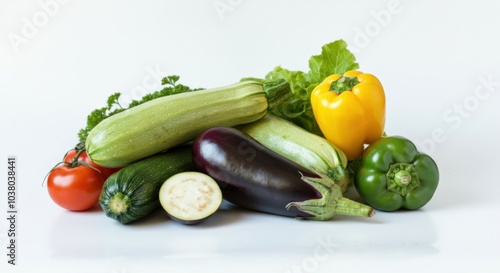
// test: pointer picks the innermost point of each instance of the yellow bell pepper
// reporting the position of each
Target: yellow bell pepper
(350, 110)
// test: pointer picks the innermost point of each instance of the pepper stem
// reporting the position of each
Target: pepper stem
(402, 178)
(343, 84)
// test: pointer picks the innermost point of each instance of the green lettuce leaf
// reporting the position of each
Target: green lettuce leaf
(335, 58)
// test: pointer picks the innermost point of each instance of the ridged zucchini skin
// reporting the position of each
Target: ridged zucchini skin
(166, 122)
(133, 192)
(302, 147)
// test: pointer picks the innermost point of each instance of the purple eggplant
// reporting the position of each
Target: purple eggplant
(254, 177)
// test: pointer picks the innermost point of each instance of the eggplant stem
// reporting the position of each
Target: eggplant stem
(331, 202)
(349, 207)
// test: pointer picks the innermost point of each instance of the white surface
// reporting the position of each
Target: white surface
(431, 57)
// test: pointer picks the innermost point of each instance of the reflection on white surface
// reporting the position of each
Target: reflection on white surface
(233, 230)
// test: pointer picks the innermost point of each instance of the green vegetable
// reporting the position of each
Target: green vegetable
(300, 146)
(133, 192)
(166, 122)
(335, 58)
(113, 105)
(394, 175)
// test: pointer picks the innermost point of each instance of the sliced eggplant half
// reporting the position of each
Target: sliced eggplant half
(190, 197)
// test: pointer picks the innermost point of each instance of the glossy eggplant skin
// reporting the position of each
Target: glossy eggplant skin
(251, 175)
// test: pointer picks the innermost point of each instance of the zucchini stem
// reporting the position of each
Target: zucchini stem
(277, 92)
(340, 176)
(119, 203)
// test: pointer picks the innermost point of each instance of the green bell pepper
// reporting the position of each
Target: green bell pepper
(394, 175)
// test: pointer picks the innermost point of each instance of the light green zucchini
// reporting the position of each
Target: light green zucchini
(169, 121)
(300, 146)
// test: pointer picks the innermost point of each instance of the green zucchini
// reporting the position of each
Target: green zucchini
(132, 192)
(166, 122)
(300, 146)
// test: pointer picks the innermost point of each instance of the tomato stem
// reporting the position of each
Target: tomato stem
(75, 161)
(55, 166)
(80, 146)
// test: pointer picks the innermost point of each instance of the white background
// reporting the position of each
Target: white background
(438, 61)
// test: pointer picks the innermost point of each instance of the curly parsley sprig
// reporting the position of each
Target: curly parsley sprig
(113, 106)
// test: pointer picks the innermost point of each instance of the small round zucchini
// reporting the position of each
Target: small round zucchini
(190, 197)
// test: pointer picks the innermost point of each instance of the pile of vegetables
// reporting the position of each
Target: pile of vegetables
(290, 144)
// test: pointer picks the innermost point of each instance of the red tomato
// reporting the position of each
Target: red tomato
(105, 172)
(75, 188)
